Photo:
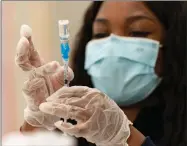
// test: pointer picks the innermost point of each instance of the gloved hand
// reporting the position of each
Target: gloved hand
(44, 79)
(99, 119)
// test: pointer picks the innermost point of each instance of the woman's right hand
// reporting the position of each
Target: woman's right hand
(43, 80)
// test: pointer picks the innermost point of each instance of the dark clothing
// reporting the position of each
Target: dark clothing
(148, 142)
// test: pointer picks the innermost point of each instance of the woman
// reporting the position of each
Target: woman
(146, 81)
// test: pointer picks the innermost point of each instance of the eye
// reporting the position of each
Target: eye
(139, 34)
(100, 35)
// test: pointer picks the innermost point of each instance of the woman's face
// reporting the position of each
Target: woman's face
(131, 19)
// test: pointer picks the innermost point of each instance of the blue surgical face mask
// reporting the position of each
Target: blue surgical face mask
(123, 67)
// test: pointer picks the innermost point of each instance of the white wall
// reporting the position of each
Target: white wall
(43, 18)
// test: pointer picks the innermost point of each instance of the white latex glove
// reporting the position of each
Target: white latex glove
(99, 119)
(44, 79)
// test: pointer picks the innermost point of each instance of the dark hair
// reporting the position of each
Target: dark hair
(173, 87)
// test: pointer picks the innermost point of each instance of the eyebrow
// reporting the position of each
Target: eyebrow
(130, 19)
(138, 17)
(102, 20)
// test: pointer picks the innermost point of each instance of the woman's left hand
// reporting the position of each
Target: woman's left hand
(99, 119)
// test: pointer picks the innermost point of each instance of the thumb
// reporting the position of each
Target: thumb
(78, 130)
(63, 126)
(58, 78)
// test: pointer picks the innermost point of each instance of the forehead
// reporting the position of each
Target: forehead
(117, 10)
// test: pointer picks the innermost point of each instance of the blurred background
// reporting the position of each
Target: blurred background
(43, 18)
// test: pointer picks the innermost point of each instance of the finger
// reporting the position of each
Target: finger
(89, 100)
(33, 85)
(22, 54)
(35, 59)
(58, 78)
(26, 55)
(35, 91)
(65, 111)
(25, 31)
(67, 92)
(60, 75)
(59, 123)
(79, 130)
(47, 69)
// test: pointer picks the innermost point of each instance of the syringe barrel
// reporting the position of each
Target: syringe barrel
(65, 49)
(64, 38)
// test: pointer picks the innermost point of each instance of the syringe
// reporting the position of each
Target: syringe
(65, 49)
